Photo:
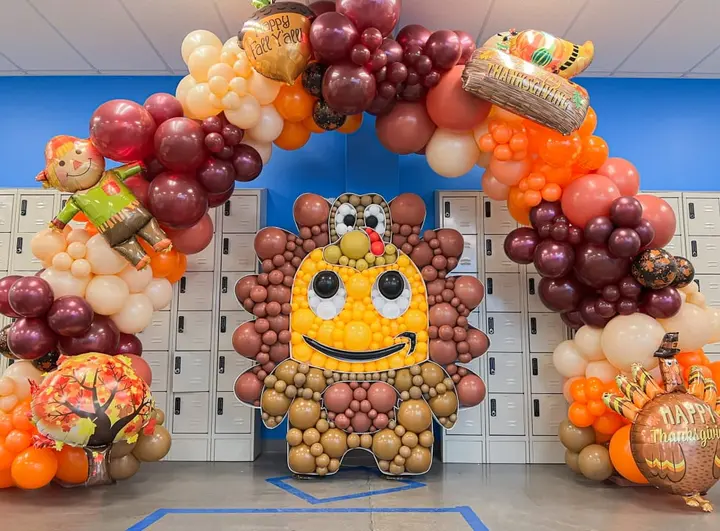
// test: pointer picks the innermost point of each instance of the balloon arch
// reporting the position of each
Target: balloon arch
(359, 328)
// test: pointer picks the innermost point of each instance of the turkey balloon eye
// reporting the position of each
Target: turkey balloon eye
(390, 285)
(326, 284)
(374, 217)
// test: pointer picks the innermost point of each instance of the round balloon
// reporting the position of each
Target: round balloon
(588, 197)
(629, 339)
(661, 217)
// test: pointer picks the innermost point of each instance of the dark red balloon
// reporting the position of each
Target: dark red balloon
(70, 316)
(545, 212)
(661, 303)
(348, 88)
(215, 200)
(139, 187)
(624, 243)
(5, 285)
(560, 294)
(572, 319)
(468, 46)
(30, 297)
(323, 6)
(332, 36)
(520, 245)
(129, 344)
(102, 336)
(393, 50)
(626, 212)
(646, 232)
(177, 200)
(247, 163)
(180, 144)
(598, 229)
(122, 130)
(413, 35)
(30, 338)
(444, 49)
(381, 14)
(596, 267)
(216, 175)
(194, 239)
(153, 168)
(590, 315)
(554, 259)
(163, 106)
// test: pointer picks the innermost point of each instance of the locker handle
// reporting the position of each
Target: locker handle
(62, 205)
(533, 326)
(223, 324)
(492, 366)
(226, 246)
(489, 286)
(19, 245)
(446, 206)
(220, 405)
(227, 208)
(531, 286)
(691, 210)
(221, 365)
(491, 325)
(181, 324)
(488, 209)
(493, 407)
(536, 407)
(178, 364)
(178, 402)
(183, 284)
(23, 207)
(697, 281)
(488, 247)
(223, 284)
(535, 371)
(693, 247)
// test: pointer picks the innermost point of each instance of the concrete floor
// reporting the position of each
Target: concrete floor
(498, 497)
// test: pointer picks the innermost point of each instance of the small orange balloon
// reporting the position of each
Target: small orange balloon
(72, 465)
(578, 391)
(6, 424)
(503, 152)
(594, 388)
(293, 103)
(6, 480)
(580, 415)
(536, 181)
(589, 123)
(518, 142)
(293, 136)
(164, 263)
(608, 423)
(311, 126)
(486, 143)
(596, 407)
(622, 458)
(693, 357)
(502, 133)
(177, 273)
(559, 150)
(34, 468)
(16, 441)
(516, 206)
(532, 198)
(595, 152)
(21, 417)
(6, 457)
(551, 192)
(352, 124)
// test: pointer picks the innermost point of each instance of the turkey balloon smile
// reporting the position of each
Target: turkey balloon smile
(365, 355)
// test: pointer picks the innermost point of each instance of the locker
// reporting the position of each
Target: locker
(231, 415)
(507, 414)
(6, 212)
(240, 215)
(503, 329)
(189, 450)
(702, 216)
(463, 449)
(36, 210)
(161, 402)
(460, 213)
(233, 450)
(502, 292)
(191, 372)
(547, 331)
(468, 261)
(676, 247)
(474, 320)
(22, 257)
(532, 290)
(196, 291)
(674, 202)
(158, 362)
(156, 337)
(548, 412)
(5, 239)
(705, 254)
(496, 261)
(505, 372)
(204, 260)
(238, 252)
(193, 330)
(230, 366)
(229, 321)
(507, 452)
(190, 413)
(228, 301)
(544, 378)
(497, 218)
(548, 452)
(469, 422)
(710, 287)
(74, 224)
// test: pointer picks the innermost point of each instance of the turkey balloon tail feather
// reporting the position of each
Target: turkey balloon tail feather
(696, 382)
(632, 391)
(621, 405)
(711, 394)
(646, 382)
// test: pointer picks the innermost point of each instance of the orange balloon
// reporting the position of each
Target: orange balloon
(501, 133)
(352, 124)
(179, 270)
(536, 181)
(16, 441)
(311, 126)
(551, 192)
(693, 357)
(34, 468)
(21, 417)
(6, 480)
(601, 438)
(622, 458)
(608, 423)
(577, 390)
(715, 370)
(72, 465)
(594, 388)
(293, 103)
(519, 142)
(163, 264)
(6, 424)
(580, 415)
(293, 136)
(92, 230)
(80, 217)
(595, 152)
(532, 198)
(589, 123)
(596, 407)
(503, 152)
(6, 457)
(559, 150)
(516, 206)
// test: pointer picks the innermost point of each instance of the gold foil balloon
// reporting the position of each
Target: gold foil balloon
(276, 40)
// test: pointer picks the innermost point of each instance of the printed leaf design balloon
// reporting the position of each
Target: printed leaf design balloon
(276, 40)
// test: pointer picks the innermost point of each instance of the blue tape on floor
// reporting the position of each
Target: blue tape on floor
(472, 519)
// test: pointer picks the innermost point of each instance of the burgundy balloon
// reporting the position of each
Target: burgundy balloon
(598, 229)
(372, 38)
(589, 314)
(122, 130)
(545, 212)
(397, 73)
(163, 106)
(129, 344)
(348, 89)
(180, 144)
(323, 6)
(560, 294)
(630, 288)
(381, 106)
(378, 60)
(575, 235)
(624, 243)
(193, 239)
(332, 36)
(381, 14)
(596, 267)
(554, 259)
(139, 186)
(611, 293)
(468, 46)
(413, 35)
(215, 200)
(213, 124)
(661, 303)
(392, 49)
(605, 308)
(101, 336)
(646, 232)
(626, 307)
(30, 338)
(153, 168)
(30, 296)
(70, 316)
(216, 175)
(177, 200)
(232, 134)
(572, 319)
(626, 211)
(360, 54)
(247, 163)
(214, 142)
(520, 245)
(444, 49)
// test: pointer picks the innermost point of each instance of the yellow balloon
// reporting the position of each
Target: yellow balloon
(197, 38)
(359, 286)
(223, 70)
(357, 336)
(246, 115)
(218, 85)
(200, 61)
(263, 88)
(242, 66)
(198, 102)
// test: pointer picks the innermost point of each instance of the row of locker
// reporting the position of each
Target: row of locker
(191, 371)
(192, 330)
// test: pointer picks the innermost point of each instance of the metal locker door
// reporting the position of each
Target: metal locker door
(231, 415)
(547, 452)
(532, 291)
(229, 321)
(36, 211)
(507, 452)
(204, 260)
(22, 258)
(547, 331)
(6, 212)
(496, 261)
(158, 362)
(161, 401)
(507, 414)
(230, 366)
(505, 372)
(193, 330)
(238, 252)
(4, 251)
(503, 329)
(190, 412)
(702, 216)
(228, 301)
(705, 254)
(544, 377)
(460, 213)
(191, 372)
(676, 247)
(196, 291)
(240, 215)
(189, 450)
(468, 262)
(157, 335)
(497, 218)
(469, 422)
(548, 412)
(502, 292)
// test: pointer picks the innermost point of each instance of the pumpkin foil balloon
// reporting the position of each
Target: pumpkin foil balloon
(92, 400)
(276, 40)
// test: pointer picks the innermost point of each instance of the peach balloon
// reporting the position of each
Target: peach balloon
(693, 325)
(78, 235)
(136, 280)
(263, 148)
(160, 293)
(601, 369)
(451, 154)
(629, 339)
(80, 268)
(106, 294)
(201, 59)
(135, 315)
(22, 372)
(268, 127)
(103, 259)
(263, 88)
(76, 250)
(65, 283)
(493, 188)
(46, 244)
(196, 39)
(62, 261)
(199, 102)
(510, 172)
(246, 114)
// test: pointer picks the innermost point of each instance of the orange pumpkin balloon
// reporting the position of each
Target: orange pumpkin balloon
(72, 465)
(352, 124)
(293, 136)
(34, 468)
(622, 458)
(293, 103)
(163, 264)
(517, 207)
(177, 273)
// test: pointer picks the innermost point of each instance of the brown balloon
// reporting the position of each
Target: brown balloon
(432, 374)
(270, 242)
(478, 342)
(574, 438)
(445, 404)
(408, 209)
(571, 460)
(471, 390)
(407, 128)
(386, 444)
(419, 461)
(274, 403)
(422, 254)
(315, 380)
(443, 314)
(121, 449)
(451, 242)
(415, 415)
(334, 442)
(310, 210)
(159, 416)
(403, 380)
(300, 460)
(246, 341)
(443, 352)
(124, 467)
(243, 287)
(594, 462)
(469, 290)
(286, 371)
(151, 448)
(294, 437)
(304, 413)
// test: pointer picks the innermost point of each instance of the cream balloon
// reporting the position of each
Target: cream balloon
(714, 316)
(246, 115)
(242, 66)
(136, 280)
(222, 70)
(263, 88)
(231, 101)
(47, 243)
(683, 296)
(269, 127)
(698, 299)
(181, 91)
(239, 86)
(218, 85)
(200, 61)
(601, 369)
(493, 188)
(568, 361)
(62, 261)
(106, 294)
(690, 288)
(160, 293)
(693, 325)
(198, 101)
(196, 39)
(80, 268)
(566, 388)
(76, 250)
(22, 372)
(65, 283)
(78, 235)
(135, 315)
(451, 154)
(630, 339)
(263, 148)
(587, 340)
(481, 130)
(103, 259)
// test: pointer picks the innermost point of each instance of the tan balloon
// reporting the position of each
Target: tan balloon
(274, 403)
(587, 343)
(300, 460)
(80, 268)
(121, 449)
(107, 294)
(124, 467)
(46, 244)
(246, 115)
(76, 250)
(419, 461)
(135, 314)
(574, 438)
(294, 437)
(196, 39)
(159, 416)
(263, 148)
(386, 444)
(151, 448)
(335, 442)
(714, 316)
(269, 127)
(604, 370)
(693, 324)
(159, 291)
(181, 91)
(263, 88)
(442, 405)
(103, 259)
(629, 339)
(304, 413)
(136, 280)
(78, 235)
(22, 372)
(568, 361)
(698, 299)
(571, 460)
(64, 283)
(594, 462)
(451, 154)
(199, 103)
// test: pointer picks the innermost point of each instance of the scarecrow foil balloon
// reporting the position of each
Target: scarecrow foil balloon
(75, 165)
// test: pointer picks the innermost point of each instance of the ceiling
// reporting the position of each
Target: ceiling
(633, 38)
